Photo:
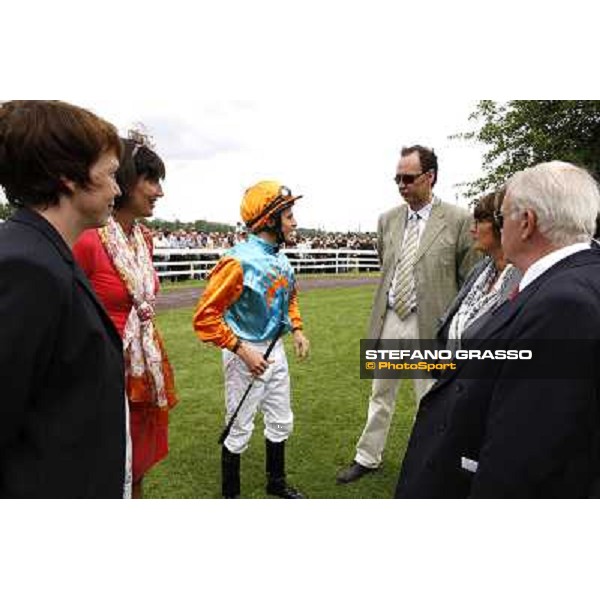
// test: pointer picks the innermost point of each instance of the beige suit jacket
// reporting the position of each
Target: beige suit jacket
(444, 258)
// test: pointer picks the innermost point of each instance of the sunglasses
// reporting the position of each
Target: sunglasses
(406, 178)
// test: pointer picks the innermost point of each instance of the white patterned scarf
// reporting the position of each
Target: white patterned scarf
(133, 261)
(481, 298)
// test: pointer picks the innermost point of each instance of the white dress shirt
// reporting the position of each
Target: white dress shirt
(543, 264)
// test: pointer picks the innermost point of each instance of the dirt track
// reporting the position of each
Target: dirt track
(189, 296)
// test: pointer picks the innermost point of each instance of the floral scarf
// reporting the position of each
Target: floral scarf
(148, 374)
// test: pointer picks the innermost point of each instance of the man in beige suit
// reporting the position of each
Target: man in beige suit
(425, 251)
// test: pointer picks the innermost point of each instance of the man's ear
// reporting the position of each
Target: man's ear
(431, 176)
(529, 224)
(68, 185)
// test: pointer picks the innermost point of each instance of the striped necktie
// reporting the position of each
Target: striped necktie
(405, 295)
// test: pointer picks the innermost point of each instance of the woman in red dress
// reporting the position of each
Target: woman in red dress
(118, 261)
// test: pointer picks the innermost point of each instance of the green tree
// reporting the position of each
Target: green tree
(201, 225)
(521, 133)
(5, 209)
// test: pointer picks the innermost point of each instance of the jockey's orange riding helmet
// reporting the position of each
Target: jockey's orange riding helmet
(263, 201)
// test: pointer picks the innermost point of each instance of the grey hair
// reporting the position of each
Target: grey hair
(564, 197)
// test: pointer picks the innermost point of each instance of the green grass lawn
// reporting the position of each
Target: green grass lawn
(329, 402)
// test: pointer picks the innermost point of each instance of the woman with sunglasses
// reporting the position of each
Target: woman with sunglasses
(118, 261)
(491, 281)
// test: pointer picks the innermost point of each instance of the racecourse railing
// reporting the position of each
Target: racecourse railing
(196, 263)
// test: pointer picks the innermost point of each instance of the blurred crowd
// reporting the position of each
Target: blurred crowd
(177, 264)
(353, 241)
(191, 239)
(182, 239)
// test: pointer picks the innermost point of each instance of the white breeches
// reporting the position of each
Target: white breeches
(270, 393)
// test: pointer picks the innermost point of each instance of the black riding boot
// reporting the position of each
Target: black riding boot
(275, 464)
(230, 474)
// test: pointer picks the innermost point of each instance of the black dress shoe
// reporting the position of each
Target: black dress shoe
(353, 472)
(283, 490)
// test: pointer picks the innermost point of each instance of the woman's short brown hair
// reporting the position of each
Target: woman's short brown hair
(44, 141)
(487, 207)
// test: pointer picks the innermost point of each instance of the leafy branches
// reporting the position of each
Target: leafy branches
(521, 133)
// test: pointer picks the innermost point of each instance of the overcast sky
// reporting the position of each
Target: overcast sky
(318, 95)
(339, 151)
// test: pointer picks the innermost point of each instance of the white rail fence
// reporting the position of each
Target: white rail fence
(176, 263)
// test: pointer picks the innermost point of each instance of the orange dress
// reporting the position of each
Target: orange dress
(149, 423)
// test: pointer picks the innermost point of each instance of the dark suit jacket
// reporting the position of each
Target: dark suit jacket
(62, 412)
(527, 438)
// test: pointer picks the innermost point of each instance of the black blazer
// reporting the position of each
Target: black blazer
(62, 397)
(507, 437)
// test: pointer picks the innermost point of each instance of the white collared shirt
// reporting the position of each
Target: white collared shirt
(543, 264)
(423, 215)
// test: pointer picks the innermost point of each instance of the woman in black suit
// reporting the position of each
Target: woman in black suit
(62, 410)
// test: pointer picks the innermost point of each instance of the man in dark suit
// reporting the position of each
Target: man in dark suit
(484, 430)
(62, 398)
